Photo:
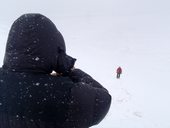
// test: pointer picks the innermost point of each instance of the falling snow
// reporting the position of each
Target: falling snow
(37, 58)
(37, 84)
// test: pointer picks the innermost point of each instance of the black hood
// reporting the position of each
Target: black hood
(33, 44)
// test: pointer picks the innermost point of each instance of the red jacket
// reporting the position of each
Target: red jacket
(119, 70)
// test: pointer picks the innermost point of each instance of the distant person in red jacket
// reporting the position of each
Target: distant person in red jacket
(119, 71)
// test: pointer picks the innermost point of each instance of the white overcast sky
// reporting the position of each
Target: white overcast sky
(13, 8)
(151, 14)
(132, 19)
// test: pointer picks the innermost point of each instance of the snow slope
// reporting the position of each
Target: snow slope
(133, 35)
(141, 96)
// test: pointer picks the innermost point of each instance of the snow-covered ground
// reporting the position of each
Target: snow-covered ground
(103, 35)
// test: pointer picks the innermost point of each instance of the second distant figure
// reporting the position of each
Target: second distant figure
(118, 71)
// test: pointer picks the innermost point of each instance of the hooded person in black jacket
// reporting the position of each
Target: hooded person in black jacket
(32, 98)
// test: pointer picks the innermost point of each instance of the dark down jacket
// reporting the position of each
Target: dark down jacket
(30, 97)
